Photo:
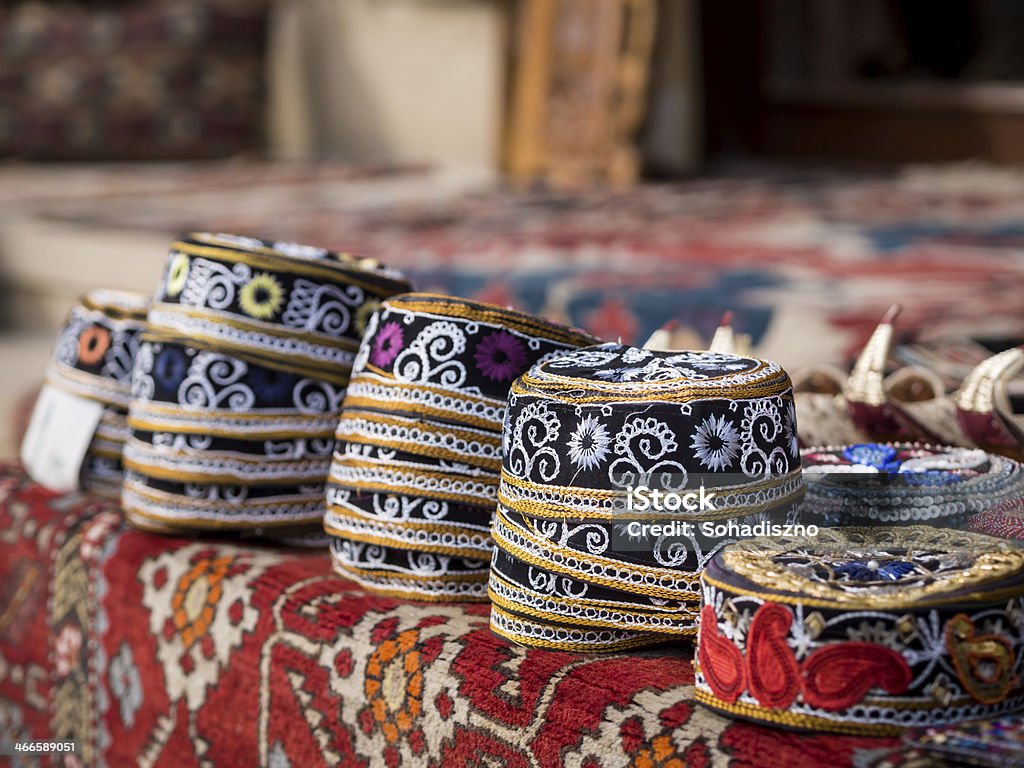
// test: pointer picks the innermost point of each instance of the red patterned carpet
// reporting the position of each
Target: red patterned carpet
(174, 652)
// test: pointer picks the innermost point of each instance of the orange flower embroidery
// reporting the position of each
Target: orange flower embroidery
(659, 753)
(394, 685)
(93, 344)
(196, 597)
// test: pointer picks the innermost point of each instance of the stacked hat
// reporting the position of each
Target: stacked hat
(574, 567)
(905, 483)
(414, 480)
(238, 383)
(863, 630)
(93, 359)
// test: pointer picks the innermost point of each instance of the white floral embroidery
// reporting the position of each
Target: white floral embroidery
(588, 445)
(716, 443)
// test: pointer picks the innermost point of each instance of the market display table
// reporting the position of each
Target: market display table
(155, 651)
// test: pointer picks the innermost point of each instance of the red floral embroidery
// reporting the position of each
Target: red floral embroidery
(831, 678)
(840, 675)
(720, 659)
(773, 674)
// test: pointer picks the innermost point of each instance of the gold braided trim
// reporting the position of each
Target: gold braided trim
(165, 497)
(568, 393)
(410, 594)
(106, 453)
(143, 425)
(761, 365)
(466, 577)
(649, 590)
(576, 621)
(870, 603)
(298, 363)
(147, 525)
(413, 447)
(207, 524)
(434, 427)
(79, 383)
(113, 422)
(795, 719)
(428, 527)
(425, 451)
(423, 470)
(416, 408)
(114, 310)
(385, 379)
(406, 490)
(554, 510)
(993, 563)
(170, 474)
(334, 373)
(160, 408)
(492, 314)
(276, 330)
(107, 488)
(146, 416)
(267, 258)
(409, 490)
(557, 645)
(470, 553)
(157, 454)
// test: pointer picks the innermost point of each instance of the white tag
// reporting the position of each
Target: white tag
(58, 436)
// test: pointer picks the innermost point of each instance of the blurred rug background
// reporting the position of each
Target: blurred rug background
(808, 262)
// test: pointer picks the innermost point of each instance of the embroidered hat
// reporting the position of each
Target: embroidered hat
(900, 483)
(863, 630)
(238, 384)
(414, 480)
(574, 568)
(93, 359)
(301, 308)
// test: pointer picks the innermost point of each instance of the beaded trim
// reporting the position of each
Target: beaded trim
(202, 466)
(258, 424)
(424, 437)
(430, 589)
(415, 480)
(894, 483)
(173, 512)
(348, 523)
(409, 564)
(527, 631)
(367, 390)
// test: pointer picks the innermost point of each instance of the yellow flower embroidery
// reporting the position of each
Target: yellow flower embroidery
(261, 297)
(364, 312)
(177, 275)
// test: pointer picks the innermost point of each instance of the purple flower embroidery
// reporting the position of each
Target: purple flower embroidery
(387, 345)
(501, 356)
